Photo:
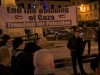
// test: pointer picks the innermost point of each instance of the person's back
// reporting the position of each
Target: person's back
(43, 62)
(4, 61)
(95, 65)
(22, 64)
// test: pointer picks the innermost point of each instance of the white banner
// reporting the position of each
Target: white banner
(22, 18)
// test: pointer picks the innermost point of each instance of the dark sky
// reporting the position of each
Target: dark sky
(56, 0)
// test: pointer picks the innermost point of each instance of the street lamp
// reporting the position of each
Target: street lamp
(82, 8)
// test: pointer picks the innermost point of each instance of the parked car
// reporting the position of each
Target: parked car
(62, 34)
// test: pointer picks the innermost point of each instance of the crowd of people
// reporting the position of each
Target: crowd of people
(20, 58)
(76, 45)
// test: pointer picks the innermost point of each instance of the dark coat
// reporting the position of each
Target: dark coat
(22, 64)
(75, 44)
(4, 70)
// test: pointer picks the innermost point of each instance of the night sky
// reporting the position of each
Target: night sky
(56, 0)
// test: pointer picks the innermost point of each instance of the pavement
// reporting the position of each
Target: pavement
(60, 51)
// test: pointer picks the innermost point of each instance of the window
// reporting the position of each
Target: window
(90, 7)
(86, 8)
(78, 3)
(52, 6)
(73, 3)
(95, 6)
(59, 6)
(66, 6)
(31, 6)
(20, 5)
(79, 17)
(86, 16)
(90, 15)
(78, 9)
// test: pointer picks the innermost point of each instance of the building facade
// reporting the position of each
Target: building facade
(51, 4)
(89, 13)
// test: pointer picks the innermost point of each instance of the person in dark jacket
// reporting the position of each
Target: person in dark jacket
(75, 45)
(31, 47)
(19, 58)
(22, 63)
(95, 65)
(87, 38)
(4, 61)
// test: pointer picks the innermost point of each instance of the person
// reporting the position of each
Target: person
(95, 65)
(43, 61)
(7, 42)
(23, 58)
(75, 45)
(31, 47)
(18, 45)
(29, 50)
(17, 57)
(87, 37)
(27, 32)
(4, 61)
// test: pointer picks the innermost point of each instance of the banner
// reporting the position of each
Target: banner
(22, 18)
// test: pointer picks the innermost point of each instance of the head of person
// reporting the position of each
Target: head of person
(18, 43)
(31, 47)
(39, 41)
(77, 33)
(4, 56)
(6, 39)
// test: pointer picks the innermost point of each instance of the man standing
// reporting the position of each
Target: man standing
(87, 38)
(75, 45)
